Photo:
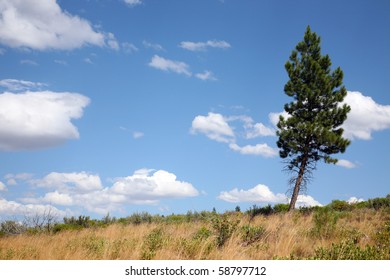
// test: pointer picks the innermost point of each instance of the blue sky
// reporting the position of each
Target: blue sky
(123, 106)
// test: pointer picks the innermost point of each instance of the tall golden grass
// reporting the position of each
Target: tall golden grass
(283, 236)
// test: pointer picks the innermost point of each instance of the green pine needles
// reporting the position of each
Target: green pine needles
(311, 131)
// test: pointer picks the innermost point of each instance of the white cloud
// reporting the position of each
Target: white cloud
(366, 116)
(129, 48)
(12, 208)
(262, 194)
(43, 25)
(274, 117)
(206, 76)
(203, 46)
(133, 2)
(144, 186)
(178, 67)
(2, 187)
(81, 189)
(214, 126)
(29, 62)
(112, 42)
(19, 85)
(75, 182)
(138, 134)
(346, 163)
(61, 62)
(149, 45)
(33, 120)
(353, 200)
(257, 150)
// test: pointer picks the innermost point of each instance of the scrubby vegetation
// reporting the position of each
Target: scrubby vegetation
(339, 230)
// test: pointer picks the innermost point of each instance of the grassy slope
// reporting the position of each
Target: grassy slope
(275, 236)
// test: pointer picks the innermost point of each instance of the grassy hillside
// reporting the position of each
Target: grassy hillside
(337, 231)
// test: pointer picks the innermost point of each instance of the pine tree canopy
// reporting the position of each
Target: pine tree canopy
(312, 131)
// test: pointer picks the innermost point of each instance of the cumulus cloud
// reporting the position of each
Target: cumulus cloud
(203, 46)
(214, 126)
(262, 194)
(346, 163)
(164, 64)
(85, 190)
(76, 182)
(34, 120)
(43, 25)
(150, 185)
(258, 150)
(12, 209)
(354, 199)
(366, 116)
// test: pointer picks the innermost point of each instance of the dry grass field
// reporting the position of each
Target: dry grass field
(358, 234)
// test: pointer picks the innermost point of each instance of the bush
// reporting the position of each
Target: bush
(325, 221)
(281, 208)
(380, 202)
(11, 228)
(153, 242)
(251, 234)
(348, 250)
(255, 210)
(223, 228)
(340, 205)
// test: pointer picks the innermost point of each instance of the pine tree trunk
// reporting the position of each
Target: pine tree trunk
(298, 183)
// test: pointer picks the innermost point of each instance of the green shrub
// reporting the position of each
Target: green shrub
(281, 208)
(251, 234)
(325, 221)
(153, 242)
(348, 250)
(202, 233)
(380, 202)
(223, 227)
(63, 227)
(340, 205)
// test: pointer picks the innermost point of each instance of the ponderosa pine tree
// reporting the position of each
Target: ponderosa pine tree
(311, 131)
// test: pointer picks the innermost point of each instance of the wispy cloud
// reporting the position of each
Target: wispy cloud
(138, 134)
(203, 46)
(29, 62)
(133, 3)
(167, 65)
(61, 62)
(346, 163)
(206, 76)
(129, 48)
(18, 85)
(154, 46)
